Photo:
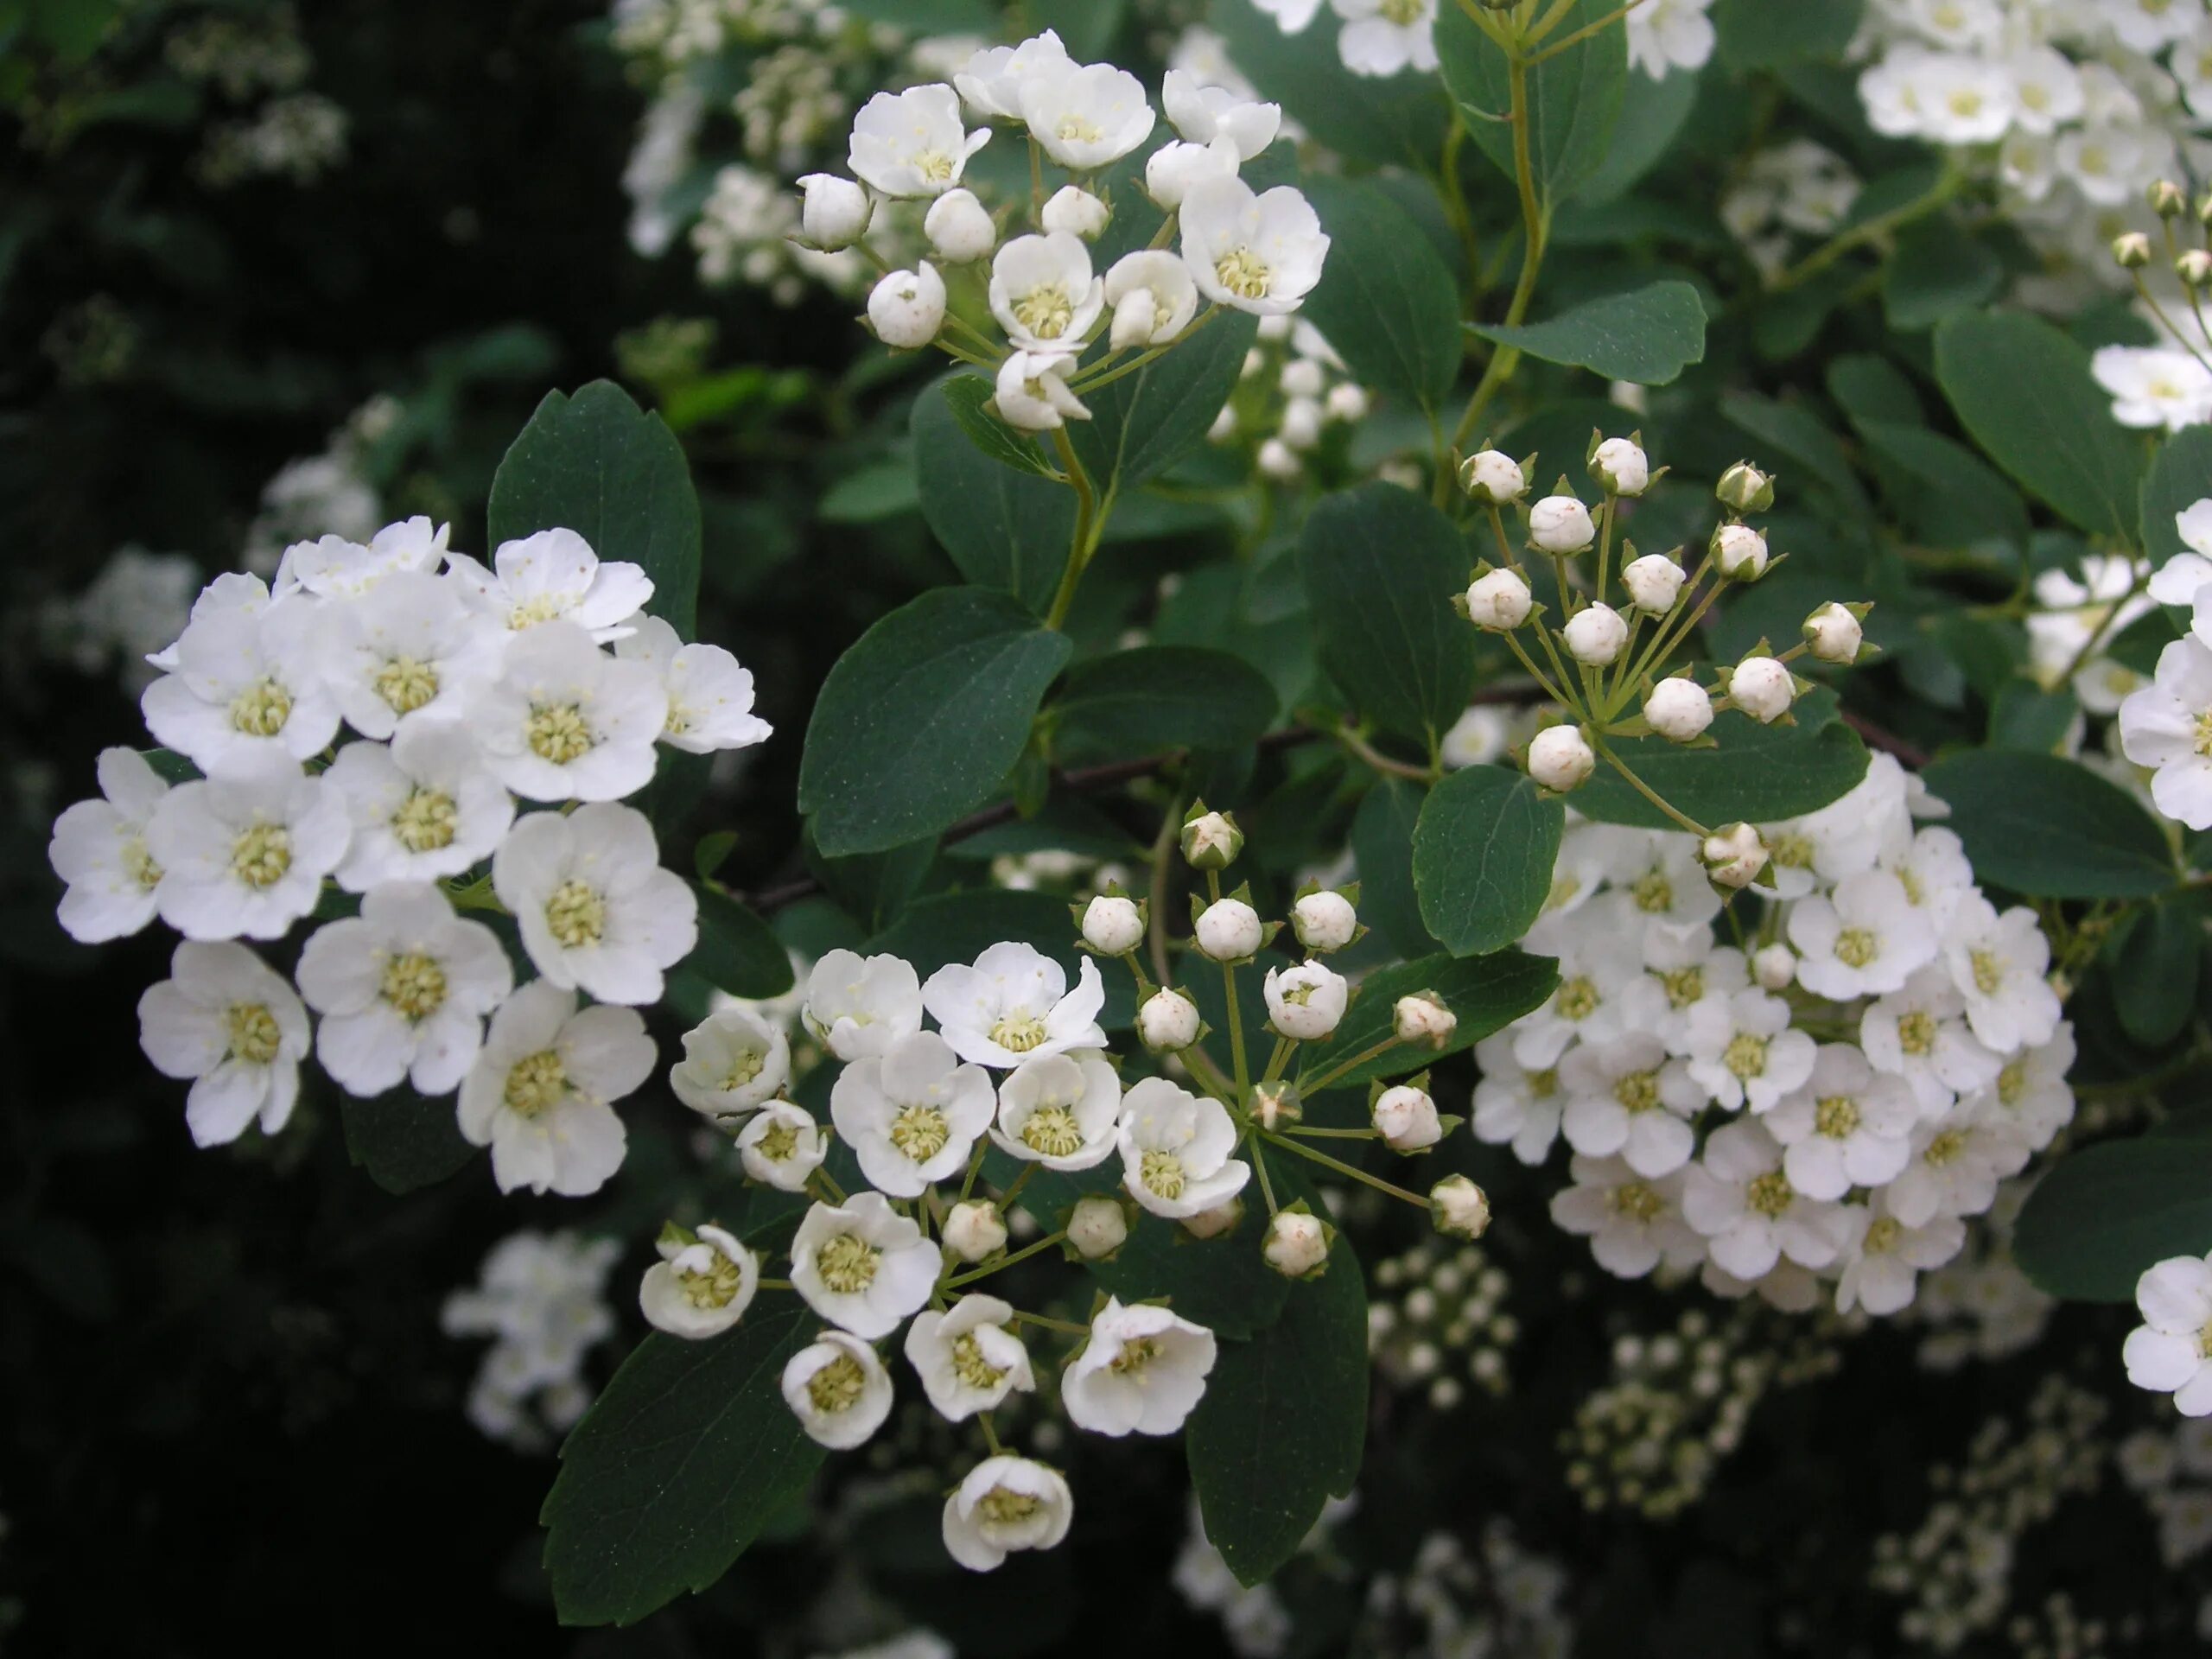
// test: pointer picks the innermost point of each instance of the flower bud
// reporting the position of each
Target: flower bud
(1733, 855)
(1297, 1245)
(2204, 208)
(2194, 267)
(1762, 688)
(2167, 198)
(1302, 377)
(1136, 316)
(1278, 461)
(1621, 468)
(1774, 967)
(1498, 599)
(1112, 926)
(1679, 709)
(1492, 475)
(1459, 1208)
(1098, 1228)
(1595, 635)
(1224, 424)
(1305, 1003)
(1168, 1022)
(1346, 402)
(1323, 921)
(1275, 1104)
(973, 1229)
(1212, 1223)
(1423, 1018)
(1740, 552)
(1561, 524)
(1076, 211)
(1301, 423)
(907, 309)
(1172, 170)
(1745, 488)
(835, 212)
(1406, 1119)
(1559, 758)
(1229, 930)
(1212, 841)
(1833, 634)
(1654, 582)
(2130, 250)
(959, 227)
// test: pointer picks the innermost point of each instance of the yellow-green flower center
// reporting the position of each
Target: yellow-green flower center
(261, 856)
(1857, 946)
(1243, 273)
(537, 1082)
(415, 984)
(557, 733)
(575, 915)
(1684, 986)
(1076, 128)
(1788, 850)
(1988, 971)
(717, 1287)
(1917, 1032)
(1637, 1201)
(1638, 1091)
(1162, 1173)
(1542, 1085)
(970, 1366)
(848, 1263)
(425, 822)
(1944, 1147)
(260, 709)
(1882, 1236)
(1746, 1055)
(2011, 1082)
(531, 612)
(1578, 999)
(920, 1132)
(1000, 1507)
(779, 1143)
(1402, 12)
(1770, 1193)
(1045, 310)
(1054, 1132)
(934, 165)
(837, 1386)
(253, 1035)
(139, 864)
(1018, 1033)
(744, 1066)
(406, 685)
(1653, 892)
(1134, 1355)
(1836, 1116)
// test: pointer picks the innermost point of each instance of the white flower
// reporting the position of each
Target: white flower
(1739, 551)
(2030, 1092)
(912, 1115)
(1173, 170)
(1075, 211)
(2168, 727)
(1086, 117)
(1382, 37)
(1175, 1150)
(1014, 1003)
(1956, 1166)
(1291, 15)
(1498, 599)
(709, 695)
(734, 1061)
(225, 1020)
(1305, 1002)
(913, 143)
(1632, 1223)
(541, 1092)
(1626, 1097)
(1458, 1208)
(247, 684)
(1153, 296)
(402, 990)
(960, 228)
(595, 909)
(1964, 101)
(1883, 1258)
(1596, 635)
(1679, 709)
(906, 308)
(992, 80)
(838, 1390)
(1060, 1110)
(1296, 1244)
(409, 650)
(244, 851)
(2154, 386)
(1167, 1021)
(553, 576)
(424, 808)
(1141, 1371)
(1097, 1227)
(1920, 1033)
(1593, 972)
(1406, 1118)
(1492, 476)
(1667, 35)
(835, 212)
(1685, 971)
(857, 1006)
(1866, 940)
(1323, 921)
(973, 1229)
(781, 1146)
(2166, 1353)
(1933, 868)
(1033, 391)
(1848, 1126)
(1739, 1195)
(1997, 962)
(699, 1289)
(1227, 930)
(862, 1265)
(1654, 581)
(1560, 757)
(1043, 294)
(1774, 967)
(1561, 524)
(334, 568)
(1201, 113)
(1516, 1104)
(99, 849)
(1621, 466)
(566, 722)
(1260, 253)
(1746, 1052)
(1762, 688)
(968, 1357)
(1006, 1503)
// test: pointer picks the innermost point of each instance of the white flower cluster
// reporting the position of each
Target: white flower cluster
(1294, 390)
(2075, 618)
(541, 1297)
(465, 686)
(1501, 1598)
(137, 603)
(2171, 1352)
(1830, 1102)
(327, 493)
(1787, 191)
(2167, 725)
(1433, 1313)
(1979, 1305)
(1253, 1617)
(1387, 37)
(2170, 1469)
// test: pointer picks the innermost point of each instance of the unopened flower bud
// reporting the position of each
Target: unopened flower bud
(1679, 709)
(1406, 1119)
(1493, 476)
(2204, 208)
(1076, 211)
(1834, 634)
(1229, 930)
(1302, 377)
(835, 212)
(1762, 688)
(2167, 198)
(1773, 967)
(1212, 841)
(1297, 1245)
(1301, 423)
(1498, 599)
(973, 1229)
(1112, 926)
(1595, 635)
(1098, 1228)
(1459, 1208)
(1346, 402)
(2194, 267)
(1559, 758)
(1561, 524)
(2130, 250)
(1168, 1023)
(1654, 582)
(960, 227)
(1274, 1104)
(907, 309)
(1323, 921)
(1733, 855)
(1739, 551)
(1745, 488)
(1278, 461)
(1621, 468)
(1423, 1018)
(1212, 1223)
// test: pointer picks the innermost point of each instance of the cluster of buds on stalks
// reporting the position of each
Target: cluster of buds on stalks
(1623, 616)
(2134, 253)
(1309, 1004)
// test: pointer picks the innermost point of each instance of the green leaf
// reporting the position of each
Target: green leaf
(2096, 1223)
(1937, 269)
(919, 722)
(676, 1469)
(1371, 121)
(1162, 697)
(1486, 993)
(2180, 476)
(1648, 336)
(1573, 98)
(1003, 527)
(1386, 300)
(1760, 34)
(1143, 423)
(1786, 429)
(1283, 1422)
(737, 953)
(404, 1141)
(1957, 498)
(2050, 828)
(2024, 391)
(965, 396)
(1379, 566)
(597, 464)
(2155, 956)
(1383, 848)
(1757, 774)
(1483, 858)
(1653, 115)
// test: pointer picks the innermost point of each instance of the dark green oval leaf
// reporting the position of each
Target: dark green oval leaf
(1483, 858)
(1386, 300)
(1162, 697)
(1757, 774)
(1573, 98)
(404, 1141)
(2179, 477)
(2050, 828)
(737, 953)
(1486, 993)
(1648, 336)
(2101, 1219)
(1143, 423)
(1004, 527)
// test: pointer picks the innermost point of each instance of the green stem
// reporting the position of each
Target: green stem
(1343, 1168)
(1266, 1186)
(1646, 791)
(1314, 1085)
(1579, 35)
(1067, 1326)
(1242, 1066)
(1005, 1261)
(1014, 1187)
(1868, 230)
(1089, 521)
